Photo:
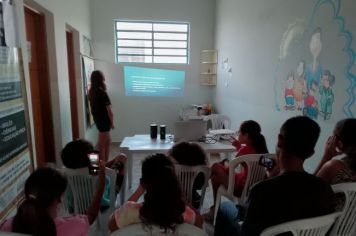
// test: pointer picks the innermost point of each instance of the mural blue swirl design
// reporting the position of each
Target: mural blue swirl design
(347, 49)
(340, 20)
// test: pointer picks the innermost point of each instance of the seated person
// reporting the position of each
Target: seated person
(37, 214)
(293, 194)
(75, 156)
(163, 200)
(343, 141)
(249, 141)
(190, 154)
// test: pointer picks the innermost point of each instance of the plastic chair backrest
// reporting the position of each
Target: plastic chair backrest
(187, 176)
(345, 224)
(218, 121)
(255, 173)
(83, 187)
(141, 230)
(316, 226)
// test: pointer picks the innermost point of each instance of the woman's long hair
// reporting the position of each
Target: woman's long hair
(97, 82)
(164, 205)
(253, 129)
(42, 189)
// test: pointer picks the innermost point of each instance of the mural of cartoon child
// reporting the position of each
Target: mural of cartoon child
(288, 92)
(313, 71)
(299, 89)
(311, 108)
(326, 94)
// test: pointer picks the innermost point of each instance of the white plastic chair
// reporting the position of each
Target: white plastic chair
(219, 121)
(345, 224)
(141, 230)
(83, 187)
(316, 226)
(255, 174)
(187, 176)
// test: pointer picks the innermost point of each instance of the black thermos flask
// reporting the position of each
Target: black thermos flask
(162, 131)
(153, 131)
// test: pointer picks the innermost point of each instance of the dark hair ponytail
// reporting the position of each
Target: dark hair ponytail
(32, 218)
(259, 143)
(42, 189)
(253, 129)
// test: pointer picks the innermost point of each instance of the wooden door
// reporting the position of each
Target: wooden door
(40, 86)
(72, 85)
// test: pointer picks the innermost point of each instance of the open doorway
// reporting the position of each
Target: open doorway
(40, 86)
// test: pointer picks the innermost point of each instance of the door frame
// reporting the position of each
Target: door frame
(52, 72)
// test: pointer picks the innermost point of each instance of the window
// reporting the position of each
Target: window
(151, 42)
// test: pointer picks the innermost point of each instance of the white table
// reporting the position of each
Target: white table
(143, 144)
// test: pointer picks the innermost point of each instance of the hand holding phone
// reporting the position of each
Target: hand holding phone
(266, 162)
(94, 163)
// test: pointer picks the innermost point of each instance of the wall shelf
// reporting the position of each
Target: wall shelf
(208, 67)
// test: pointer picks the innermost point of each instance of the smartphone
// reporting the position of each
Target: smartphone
(266, 162)
(94, 163)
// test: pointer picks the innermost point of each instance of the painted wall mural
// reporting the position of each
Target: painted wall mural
(314, 76)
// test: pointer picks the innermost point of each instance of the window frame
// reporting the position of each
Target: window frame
(152, 41)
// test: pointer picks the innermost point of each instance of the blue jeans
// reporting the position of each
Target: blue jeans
(227, 220)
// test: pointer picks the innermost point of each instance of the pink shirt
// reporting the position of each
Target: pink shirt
(77, 225)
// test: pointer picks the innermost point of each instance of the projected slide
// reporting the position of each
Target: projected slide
(140, 81)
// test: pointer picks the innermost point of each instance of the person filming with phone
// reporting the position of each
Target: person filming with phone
(81, 154)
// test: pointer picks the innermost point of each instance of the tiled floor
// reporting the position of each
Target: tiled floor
(208, 201)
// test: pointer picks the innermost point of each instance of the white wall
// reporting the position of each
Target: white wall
(59, 15)
(250, 32)
(134, 114)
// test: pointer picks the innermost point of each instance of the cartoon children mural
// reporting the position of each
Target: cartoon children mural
(288, 92)
(309, 88)
(326, 94)
(299, 89)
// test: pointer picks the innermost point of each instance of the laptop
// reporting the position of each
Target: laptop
(192, 130)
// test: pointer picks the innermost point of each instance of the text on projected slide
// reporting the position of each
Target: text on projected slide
(140, 81)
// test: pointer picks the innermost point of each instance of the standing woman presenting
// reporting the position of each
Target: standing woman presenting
(102, 113)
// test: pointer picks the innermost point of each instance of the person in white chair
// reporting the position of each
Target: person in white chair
(190, 154)
(38, 213)
(163, 203)
(75, 156)
(293, 194)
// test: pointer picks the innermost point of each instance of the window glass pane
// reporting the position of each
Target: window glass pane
(134, 35)
(137, 51)
(159, 59)
(134, 43)
(170, 27)
(133, 26)
(181, 52)
(170, 36)
(139, 41)
(170, 44)
(143, 59)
